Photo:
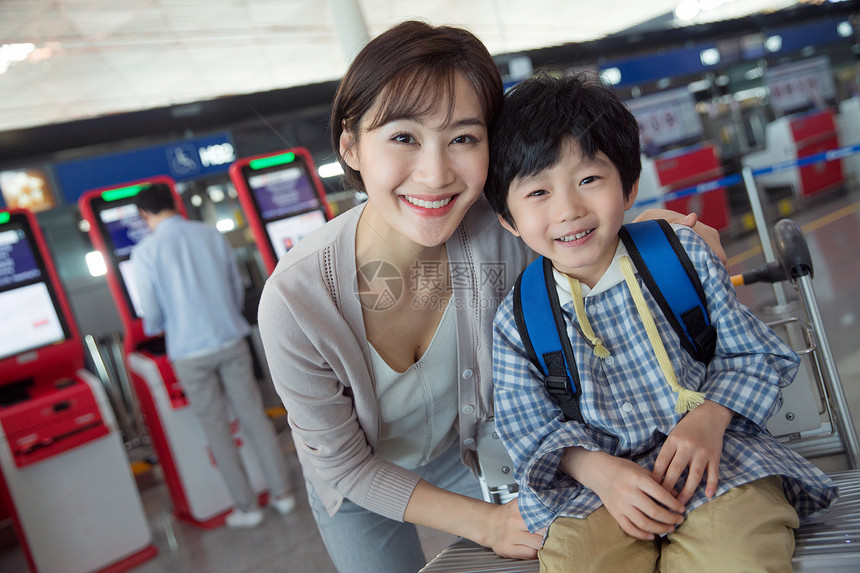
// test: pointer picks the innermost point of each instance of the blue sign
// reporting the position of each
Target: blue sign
(183, 160)
(644, 69)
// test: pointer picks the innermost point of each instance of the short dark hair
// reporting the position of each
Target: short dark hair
(546, 111)
(155, 198)
(409, 69)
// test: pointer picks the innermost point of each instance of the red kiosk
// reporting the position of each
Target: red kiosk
(283, 199)
(65, 477)
(196, 488)
(687, 167)
(791, 138)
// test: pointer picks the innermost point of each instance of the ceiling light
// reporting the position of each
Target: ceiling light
(773, 43)
(687, 10)
(11, 54)
(330, 170)
(96, 264)
(225, 225)
(611, 76)
(710, 57)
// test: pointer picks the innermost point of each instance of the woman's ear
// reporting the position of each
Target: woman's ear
(349, 150)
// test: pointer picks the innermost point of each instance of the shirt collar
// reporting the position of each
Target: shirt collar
(610, 278)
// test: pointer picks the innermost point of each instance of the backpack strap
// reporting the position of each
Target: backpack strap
(536, 307)
(662, 263)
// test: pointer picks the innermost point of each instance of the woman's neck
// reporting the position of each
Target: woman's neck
(377, 241)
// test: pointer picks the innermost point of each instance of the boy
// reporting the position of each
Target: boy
(671, 463)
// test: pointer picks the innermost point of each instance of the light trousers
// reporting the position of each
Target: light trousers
(747, 529)
(217, 383)
(360, 541)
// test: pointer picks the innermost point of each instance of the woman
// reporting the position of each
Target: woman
(377, 328)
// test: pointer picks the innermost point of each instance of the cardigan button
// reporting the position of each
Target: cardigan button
(469, 441)
(467, 373)
(468, 409)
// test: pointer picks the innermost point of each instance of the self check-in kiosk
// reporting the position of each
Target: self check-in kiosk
(677, 158)
(64, 473)
(196, 488)
(283, 200)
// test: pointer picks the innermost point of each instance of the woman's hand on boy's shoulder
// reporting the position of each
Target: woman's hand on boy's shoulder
(710, 235)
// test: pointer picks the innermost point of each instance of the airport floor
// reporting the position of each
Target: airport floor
(291, 544)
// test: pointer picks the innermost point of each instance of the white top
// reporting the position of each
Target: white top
(418, 408)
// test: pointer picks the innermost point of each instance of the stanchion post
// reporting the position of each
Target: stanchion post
(761, 227)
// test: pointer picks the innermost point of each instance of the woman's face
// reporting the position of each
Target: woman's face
(423, 173)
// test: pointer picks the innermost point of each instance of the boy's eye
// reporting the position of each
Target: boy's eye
(589, 179)
(537, 193)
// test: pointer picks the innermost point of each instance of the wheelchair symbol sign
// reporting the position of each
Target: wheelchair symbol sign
(182, 160)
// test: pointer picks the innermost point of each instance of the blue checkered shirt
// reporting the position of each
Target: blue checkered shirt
(627, 406)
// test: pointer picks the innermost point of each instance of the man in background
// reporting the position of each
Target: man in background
(191, 290)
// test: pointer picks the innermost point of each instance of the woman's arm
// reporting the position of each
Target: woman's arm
(710, 235)
(499, 527)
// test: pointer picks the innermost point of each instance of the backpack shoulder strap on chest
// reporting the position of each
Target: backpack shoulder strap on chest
(671, 278)
(539, 320)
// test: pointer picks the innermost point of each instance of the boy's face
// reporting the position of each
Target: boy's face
(571, 213)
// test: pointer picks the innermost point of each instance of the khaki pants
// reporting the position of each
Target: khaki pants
(217, 383)
(747, 529)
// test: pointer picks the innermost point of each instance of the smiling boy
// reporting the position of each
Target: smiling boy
(645, 481)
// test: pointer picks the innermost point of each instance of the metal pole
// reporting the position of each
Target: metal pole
(761, 227)
(847, 429)
(350, 26)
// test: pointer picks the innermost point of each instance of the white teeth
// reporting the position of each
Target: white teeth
(576, 236)
(428, 204)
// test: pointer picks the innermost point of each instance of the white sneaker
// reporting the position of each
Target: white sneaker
(238, 519)
(283, 505)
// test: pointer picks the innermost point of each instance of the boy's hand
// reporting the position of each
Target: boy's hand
(695, 443)
(638, 503)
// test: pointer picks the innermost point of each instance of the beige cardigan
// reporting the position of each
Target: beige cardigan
(313, 333)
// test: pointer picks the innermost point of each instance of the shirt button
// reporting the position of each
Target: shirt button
(467, 373)
(627, 407)
(609, 360)
(469, 441)
(593, 309)
(468, 409)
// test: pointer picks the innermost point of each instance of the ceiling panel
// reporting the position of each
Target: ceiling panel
(95, 57)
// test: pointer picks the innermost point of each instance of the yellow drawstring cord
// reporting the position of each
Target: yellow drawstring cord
(687, 399)
(576, 291)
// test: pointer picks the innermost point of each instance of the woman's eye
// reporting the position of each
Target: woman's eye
(403, 138)
(465, 139)
(537, 193)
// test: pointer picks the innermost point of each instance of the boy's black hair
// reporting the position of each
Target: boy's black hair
(542, 114)
(155, 198)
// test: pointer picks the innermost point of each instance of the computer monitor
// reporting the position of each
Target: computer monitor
(122, 228)
(33, 314)
(283, 200)
(115, 228)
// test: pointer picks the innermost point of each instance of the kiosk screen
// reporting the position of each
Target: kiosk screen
(29, 315)
(122, 228)
(285, 233)
(289, 204)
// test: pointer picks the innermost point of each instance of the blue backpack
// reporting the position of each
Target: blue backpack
(665, 269)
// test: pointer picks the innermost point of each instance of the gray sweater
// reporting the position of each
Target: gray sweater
(313, 333)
